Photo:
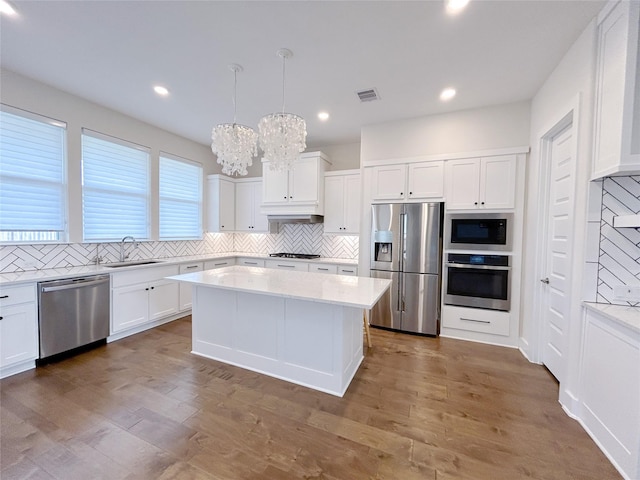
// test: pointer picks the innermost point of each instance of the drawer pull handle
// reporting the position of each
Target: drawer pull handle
(250, 263)
(192, 266)
(1, 318)
(348, 271)
(474, 320)
(323, 269)
(287, 266)
(219, 264)
(4, 296)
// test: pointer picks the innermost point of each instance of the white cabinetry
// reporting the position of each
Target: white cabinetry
(185, 288)
(248, 201)
(323, 268)
(250, 262)
(220, 263)
(617, 103)
(481, 183)
(18, 329)
(298, 191)
(610, 389)
(286, 265)
(414, 181)
(221, 203)
(143, 296)
(478, 320)
(342, 202)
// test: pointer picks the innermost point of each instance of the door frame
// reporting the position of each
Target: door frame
(569, 115)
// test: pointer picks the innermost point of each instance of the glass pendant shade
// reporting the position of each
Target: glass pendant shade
(234, 145)
(282, 136)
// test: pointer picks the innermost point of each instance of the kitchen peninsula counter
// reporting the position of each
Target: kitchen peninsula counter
(302, 327)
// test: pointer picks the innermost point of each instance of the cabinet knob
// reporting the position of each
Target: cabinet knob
(221, 226)
(285, 197)
(290, 196)
(147, 289)
(475, 203)
(4, 296)
(482, 203)
(401, 193)
(1, 318)
(152, 288)
(410, 193)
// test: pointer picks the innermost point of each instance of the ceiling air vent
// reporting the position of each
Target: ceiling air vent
(368, 95)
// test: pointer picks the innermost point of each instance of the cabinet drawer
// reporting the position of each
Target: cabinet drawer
(323, 268)
(251, 262)
(191, 267)
(346, 270)
(284, 265)
(211, 264)
(476, 320)
(142, 275)
(17, 294)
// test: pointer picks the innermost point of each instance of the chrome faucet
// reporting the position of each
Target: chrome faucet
(123, 254)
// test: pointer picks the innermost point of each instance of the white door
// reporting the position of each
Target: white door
(498, 182)
(275, 185)
(260, 221)
(426, 180)
(463, 183)
(303, 178)
(389, 182)
(556, 293)
(244, 207)
(351, 204)
(334, 204)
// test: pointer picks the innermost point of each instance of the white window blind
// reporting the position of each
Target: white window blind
(32, 177)
(180, 199)
(115, 188)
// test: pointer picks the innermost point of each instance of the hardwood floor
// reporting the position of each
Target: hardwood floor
(419, 408)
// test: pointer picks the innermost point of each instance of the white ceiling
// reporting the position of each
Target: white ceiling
(112, 52)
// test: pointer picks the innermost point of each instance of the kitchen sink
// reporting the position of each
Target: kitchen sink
(131, 263)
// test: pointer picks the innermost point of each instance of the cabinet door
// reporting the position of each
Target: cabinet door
(129, 307)
(351, 204)
(426, 180)
(212, 264)
(334, 193)
(260, 221)
(286, 265)
(343, 270)
(244, 207)
(463, 183)
(163, 299)
(323, 268)
(389, 182)
(227, 206)
(303, 181)
(275, 185)
(498, 182)
(185, 288)
(18, 334)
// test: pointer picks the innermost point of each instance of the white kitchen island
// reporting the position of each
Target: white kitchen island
(302, 327)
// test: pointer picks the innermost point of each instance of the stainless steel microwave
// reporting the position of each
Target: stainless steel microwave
(479, 231)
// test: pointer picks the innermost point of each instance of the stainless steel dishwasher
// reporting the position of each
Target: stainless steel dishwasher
(72, 312)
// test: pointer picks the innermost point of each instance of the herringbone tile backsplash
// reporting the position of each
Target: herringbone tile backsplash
(291, 238)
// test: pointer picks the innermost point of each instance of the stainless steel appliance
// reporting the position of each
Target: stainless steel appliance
(480, 281)
(479, 231)
(72, 312)
(406, 248)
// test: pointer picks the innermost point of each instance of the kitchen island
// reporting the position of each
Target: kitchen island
(301, 327)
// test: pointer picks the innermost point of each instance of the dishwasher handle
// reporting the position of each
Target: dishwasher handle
(76, 284)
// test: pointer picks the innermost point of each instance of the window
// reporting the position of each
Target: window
(32, 178)
(180, 199)
(115, 188)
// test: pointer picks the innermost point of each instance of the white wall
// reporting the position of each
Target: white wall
(27, 94)
(570, 84)
(343, 157)
(487, 128)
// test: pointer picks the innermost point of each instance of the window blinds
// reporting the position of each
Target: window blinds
(180, 199)
(115, 188)
(32, 177)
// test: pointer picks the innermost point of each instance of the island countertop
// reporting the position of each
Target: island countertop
(348, 291)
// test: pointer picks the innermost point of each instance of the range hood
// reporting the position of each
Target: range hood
(276, 220)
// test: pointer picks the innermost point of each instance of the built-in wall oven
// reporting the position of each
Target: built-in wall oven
(479, 231)
(477, 280)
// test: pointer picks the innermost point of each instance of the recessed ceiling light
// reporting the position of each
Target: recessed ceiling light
(160, 90)
(324, 116)
(7, 8)
(447, 94)
(455, 6)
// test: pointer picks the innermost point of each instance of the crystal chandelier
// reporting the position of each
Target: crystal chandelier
(282, 135)
(234, 145)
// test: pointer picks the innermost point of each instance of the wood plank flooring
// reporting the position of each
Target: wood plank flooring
(419, 408)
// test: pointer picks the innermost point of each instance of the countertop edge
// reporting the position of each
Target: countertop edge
(626, 316)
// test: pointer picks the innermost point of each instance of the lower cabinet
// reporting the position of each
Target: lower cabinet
(491, 322)
(348, 270)
(223, 262)
(250, 262)
(185, 288)
(323, 268)
(18, 329)
(285, 265)
(143, 296)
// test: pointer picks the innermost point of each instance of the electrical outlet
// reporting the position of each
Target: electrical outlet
(628, 293)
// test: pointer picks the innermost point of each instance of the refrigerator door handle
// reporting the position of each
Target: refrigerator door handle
(403, 230)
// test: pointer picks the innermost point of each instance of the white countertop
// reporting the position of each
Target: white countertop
(349, 291)
(629, 316)
(57, 273)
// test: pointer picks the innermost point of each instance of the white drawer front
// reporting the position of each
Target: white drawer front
(476, 320)
(226, 262)
(285, 265)
(323, 268)
(251, 262)
(17, 294)
(345, 270)
(191, 267)
(142, 275)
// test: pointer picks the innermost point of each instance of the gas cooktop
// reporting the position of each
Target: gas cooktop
(306, 256)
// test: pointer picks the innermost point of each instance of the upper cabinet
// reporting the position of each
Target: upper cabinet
(481, 183)
(617, 104)
(248, 201)
(297, 191)
(342, 202)
(221, 204)
(407, 182)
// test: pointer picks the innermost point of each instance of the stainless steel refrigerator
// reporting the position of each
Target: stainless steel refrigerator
(406, 247)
